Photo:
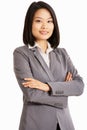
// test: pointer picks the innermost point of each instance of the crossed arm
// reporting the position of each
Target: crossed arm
(31, 87)
(33, 83)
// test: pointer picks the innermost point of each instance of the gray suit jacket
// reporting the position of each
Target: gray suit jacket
(42, 110)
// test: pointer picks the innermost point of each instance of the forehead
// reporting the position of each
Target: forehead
(43, 13)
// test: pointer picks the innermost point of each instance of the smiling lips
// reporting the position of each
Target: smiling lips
(44, 32)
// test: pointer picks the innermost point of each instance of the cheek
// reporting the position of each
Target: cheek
(35, 28)
(52, 29)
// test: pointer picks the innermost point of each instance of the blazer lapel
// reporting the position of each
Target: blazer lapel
(42, 62)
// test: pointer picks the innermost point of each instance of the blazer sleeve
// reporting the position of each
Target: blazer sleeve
(69, 88)
(22, 70)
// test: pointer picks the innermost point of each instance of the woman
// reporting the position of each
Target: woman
(45, 73)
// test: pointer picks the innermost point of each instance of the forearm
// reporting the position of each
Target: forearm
(33, 83)
(38, 96)
(70, 88)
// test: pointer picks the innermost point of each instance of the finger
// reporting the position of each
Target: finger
(29, 84)
(25, 84)
(28, 79)
(69, 77)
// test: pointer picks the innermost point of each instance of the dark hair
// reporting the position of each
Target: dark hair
(28, 38)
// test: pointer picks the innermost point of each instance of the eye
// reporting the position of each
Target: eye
(50, 21)
(38, 21)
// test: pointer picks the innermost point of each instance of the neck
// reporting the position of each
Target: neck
(43, 45)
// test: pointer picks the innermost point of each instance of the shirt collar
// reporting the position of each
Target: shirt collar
(49, 49)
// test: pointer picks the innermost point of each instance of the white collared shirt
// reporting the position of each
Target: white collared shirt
(44, 55)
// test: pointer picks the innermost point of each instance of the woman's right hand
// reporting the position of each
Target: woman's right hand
(68, 77)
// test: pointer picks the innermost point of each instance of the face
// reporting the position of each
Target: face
(42, 26)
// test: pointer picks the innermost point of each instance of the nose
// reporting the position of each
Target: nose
(44, 25)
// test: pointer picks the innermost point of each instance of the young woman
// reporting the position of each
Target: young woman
(45, 73)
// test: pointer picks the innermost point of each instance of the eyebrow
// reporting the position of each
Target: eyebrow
(43, 18)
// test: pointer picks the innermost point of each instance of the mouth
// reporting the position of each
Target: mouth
(44, 32)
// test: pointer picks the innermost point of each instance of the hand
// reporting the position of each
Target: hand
(68, 77)
(33, 83)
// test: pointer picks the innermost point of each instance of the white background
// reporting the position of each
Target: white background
(72, 18)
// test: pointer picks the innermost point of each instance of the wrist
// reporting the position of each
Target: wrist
(47, 88)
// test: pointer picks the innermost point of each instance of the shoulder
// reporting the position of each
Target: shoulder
(23, 50)
(20, 49)
(62, 52)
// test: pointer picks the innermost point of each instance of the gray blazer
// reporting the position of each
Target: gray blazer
(42, 110)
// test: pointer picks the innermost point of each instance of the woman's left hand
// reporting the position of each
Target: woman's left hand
(33, 83)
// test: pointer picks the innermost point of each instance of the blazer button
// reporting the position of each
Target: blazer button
(59, 92)
(56, 92)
